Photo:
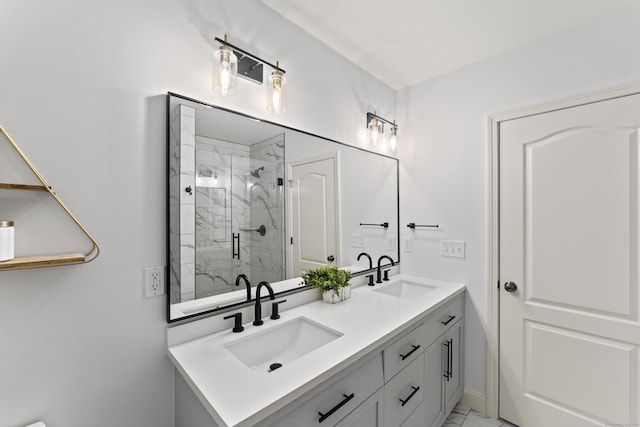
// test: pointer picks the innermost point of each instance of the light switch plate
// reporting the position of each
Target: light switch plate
(452, 248)
(357, 241)
(407, 244)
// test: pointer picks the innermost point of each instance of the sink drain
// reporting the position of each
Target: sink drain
(274, 366)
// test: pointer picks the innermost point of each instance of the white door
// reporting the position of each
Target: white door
(314, 214)
(569, 332)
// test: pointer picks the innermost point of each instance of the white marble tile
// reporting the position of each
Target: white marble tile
(187, 219)
(187, 278)
(456, 419)
(185, 110)
(461, 409)
(476, 419)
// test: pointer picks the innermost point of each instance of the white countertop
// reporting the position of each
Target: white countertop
(236, 395)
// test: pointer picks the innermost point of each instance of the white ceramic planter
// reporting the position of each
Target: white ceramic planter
(332, 298)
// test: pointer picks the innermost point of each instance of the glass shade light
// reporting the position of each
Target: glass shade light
(375, 131)
(393, 139)
(276, 92)
(225, 78)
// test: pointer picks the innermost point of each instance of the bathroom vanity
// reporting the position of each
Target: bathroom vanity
(390, 356)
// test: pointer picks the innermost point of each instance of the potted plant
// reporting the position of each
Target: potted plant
(331, 282)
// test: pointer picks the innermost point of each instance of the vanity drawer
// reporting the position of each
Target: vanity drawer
(404, 393)
(416, 419)
(336, 400)
(442, 320)
(403, 351)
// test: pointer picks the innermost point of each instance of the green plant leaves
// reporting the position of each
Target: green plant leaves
(327, 278)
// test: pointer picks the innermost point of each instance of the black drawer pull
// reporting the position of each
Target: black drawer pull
(415, 390)
(448, 321)
(335, 408)
(415, 347)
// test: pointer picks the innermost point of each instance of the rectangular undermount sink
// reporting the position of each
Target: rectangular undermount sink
(405, 289)
(282, 344)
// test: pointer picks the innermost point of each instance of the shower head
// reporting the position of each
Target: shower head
(256, 173)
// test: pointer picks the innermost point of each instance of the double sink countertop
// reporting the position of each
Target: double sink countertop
(236, 395)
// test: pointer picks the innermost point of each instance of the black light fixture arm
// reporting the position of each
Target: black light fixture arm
(371, 116)
(244, 52)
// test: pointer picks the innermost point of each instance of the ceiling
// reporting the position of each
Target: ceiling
(403, 42)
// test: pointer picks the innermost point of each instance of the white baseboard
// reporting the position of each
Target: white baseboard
(474, 400)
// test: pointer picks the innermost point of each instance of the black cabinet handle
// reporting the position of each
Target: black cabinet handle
(405, 401)
(335, 408)
(415, 347)
(450, 361)
(446, 372)
(446, 322)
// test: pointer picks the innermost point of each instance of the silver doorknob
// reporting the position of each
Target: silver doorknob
(510, 287)
(331, 258)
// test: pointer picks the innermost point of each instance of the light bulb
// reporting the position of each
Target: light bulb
(225, 78)
(276, 91)
(393, 139)
(374, 131)
(275, 97)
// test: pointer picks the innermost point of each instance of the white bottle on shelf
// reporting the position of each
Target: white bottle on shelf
(6, 240)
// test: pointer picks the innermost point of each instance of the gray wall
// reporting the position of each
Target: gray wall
(443, 168)
(82, 92)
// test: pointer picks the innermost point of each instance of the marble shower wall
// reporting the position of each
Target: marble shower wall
(233, 193)
(267, 195)
(181, 227)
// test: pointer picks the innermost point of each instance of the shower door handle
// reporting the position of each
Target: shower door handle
(235, 248)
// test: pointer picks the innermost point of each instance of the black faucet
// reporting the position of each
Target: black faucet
(257, 320)
(379, 274)
(246, 282)
(368, 256)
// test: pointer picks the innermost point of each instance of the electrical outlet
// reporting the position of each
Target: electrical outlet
(391, 244)
(153, 281)
(452, 248)
(407, 244)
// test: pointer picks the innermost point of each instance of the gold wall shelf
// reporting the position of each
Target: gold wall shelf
(36, 261)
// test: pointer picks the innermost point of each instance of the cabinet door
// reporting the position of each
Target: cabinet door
(433, 380)
(368, 414)
(453, 381)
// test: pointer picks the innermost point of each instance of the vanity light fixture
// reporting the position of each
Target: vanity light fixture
(234, 61)
(375, 126)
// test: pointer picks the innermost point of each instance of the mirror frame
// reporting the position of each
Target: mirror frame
(230, 307)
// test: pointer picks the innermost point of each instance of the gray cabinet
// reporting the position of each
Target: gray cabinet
(443, 375)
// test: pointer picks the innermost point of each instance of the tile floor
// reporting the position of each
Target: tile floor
(466, 417)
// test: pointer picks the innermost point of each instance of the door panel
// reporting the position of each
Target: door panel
(314, 213)
(569, 203)
(569, 333)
